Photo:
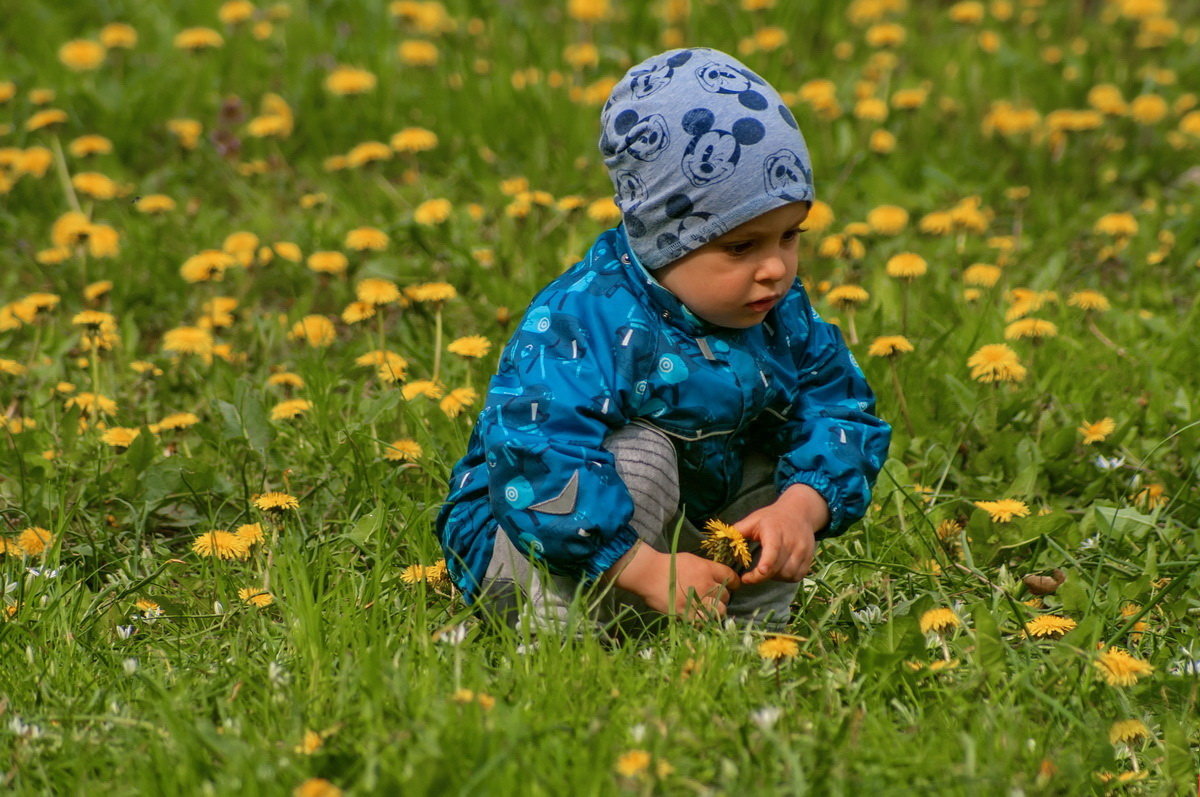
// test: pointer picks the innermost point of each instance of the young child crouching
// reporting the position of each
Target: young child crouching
(676, 374)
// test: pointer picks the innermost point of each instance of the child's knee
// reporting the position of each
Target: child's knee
(647, 464)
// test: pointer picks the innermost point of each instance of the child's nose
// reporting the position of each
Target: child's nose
(772, 268)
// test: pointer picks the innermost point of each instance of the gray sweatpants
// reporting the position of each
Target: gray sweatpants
(517, 591)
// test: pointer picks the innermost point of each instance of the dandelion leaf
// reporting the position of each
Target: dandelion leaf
(989, 648)
(1180, 765)
(1121, 522)
(141, 451)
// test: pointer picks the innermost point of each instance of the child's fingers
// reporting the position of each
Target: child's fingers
(768, 562)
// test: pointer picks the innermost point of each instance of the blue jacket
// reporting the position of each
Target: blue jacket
(604, 345)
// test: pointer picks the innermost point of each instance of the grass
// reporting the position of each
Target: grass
(210, 694)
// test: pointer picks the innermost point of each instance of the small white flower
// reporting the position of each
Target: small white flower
(1187, 664)
(1108, 463)
(1090, 543)
(130, 665)
(42, 572)
(218, 607)
(125, 631)
(637, 733)
(277, 674)
(646, 653)
(766, 717)
(27, 730)
(453, 635)
(527, 647)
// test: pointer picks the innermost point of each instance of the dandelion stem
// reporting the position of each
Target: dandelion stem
(852, 327)
(437, 342)
(904, 309)
(908, 424)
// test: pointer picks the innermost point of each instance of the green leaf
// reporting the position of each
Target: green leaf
(141, 451)
(1179, 761)
(369, 524)
(255, 426)
(989, 647)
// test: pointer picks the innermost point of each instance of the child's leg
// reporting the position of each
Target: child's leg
(645, 461)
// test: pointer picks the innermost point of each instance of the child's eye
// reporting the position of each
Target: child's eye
(794, 233)
(739, 248)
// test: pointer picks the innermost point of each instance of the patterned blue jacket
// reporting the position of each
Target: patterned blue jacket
(605, 345)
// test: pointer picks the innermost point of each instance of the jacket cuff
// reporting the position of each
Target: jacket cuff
(827, 490)
(608, 554)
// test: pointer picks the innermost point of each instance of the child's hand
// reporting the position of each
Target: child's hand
(786, 531)
(702, 587)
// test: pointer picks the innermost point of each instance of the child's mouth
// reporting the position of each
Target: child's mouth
(763, 305)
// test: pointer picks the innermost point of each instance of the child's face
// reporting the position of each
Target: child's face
(734, 280)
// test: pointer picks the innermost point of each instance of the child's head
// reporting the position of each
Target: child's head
(697, 146)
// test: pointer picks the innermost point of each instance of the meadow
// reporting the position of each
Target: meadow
(257, 263)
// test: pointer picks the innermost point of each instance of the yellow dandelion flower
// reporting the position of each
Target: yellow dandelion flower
(207, 266)
(362, 154)
(983, 274)
(316, 787)
(1030, 328)
(256, 597)
(292, 408)
(1151, 496)
(311, 743)
(457, 401)
(413, 139)
(186, 131)
(328, 262)
(82, 54)
(188, 340)
(1148, 109)
(364, 239)
(1117, 225)
(357, 312)
(432, 292)
(604, 211)
(197, 39)
(887, 219)
(1096, 432)
(906, 266)
(35, 540)
(889, 346)
(432, 212)
(11, 367)
(413, 574)
(1004, 510)
(275, 502)
(996, 362)
(250, 533)
(315, 330)
(285, 379)
(724, 544)
(119, 436)
(846, 297)
(1092, 301)
(476, 346)
(86, 146)
(45, 119)
(1049, 625)
(777, 648)
(347, 80)
(97, 290)
(376, 291)
(437, 575)
(118, 36)
(403, 450)
(939, 621)
(1127, 732)
(417, 52)
(1118, 668)
(221, 544)
(288, 251)
(91, 404)
(234, 12)
(634, 762)
(421, 387)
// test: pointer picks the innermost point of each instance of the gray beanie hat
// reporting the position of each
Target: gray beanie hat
(696, 144)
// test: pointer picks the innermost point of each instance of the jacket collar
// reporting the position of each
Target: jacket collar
(665, 303)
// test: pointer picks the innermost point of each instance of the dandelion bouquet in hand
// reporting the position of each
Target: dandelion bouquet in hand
(724, 544)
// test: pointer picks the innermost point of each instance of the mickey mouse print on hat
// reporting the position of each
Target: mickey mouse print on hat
(696, 144)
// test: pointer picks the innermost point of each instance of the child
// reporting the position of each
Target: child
(678, 373)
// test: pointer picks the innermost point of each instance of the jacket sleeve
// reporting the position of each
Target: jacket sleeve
(830, 439)
(563, 384)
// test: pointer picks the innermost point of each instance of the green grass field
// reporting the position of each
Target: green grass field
(186, 324)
